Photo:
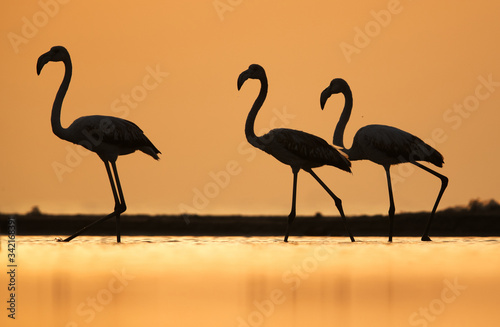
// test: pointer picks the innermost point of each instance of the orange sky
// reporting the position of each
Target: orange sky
(417, 65)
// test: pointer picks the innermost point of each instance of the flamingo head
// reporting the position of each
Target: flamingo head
(254, 71)
(57, 53)
(337, 85)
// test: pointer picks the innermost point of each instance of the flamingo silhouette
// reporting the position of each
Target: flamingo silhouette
(297, 149)
(386, 146)
(109, 137)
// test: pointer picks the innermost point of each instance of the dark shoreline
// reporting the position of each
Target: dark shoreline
(448, 222)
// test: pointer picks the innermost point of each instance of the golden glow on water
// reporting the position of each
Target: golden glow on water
(187, 281)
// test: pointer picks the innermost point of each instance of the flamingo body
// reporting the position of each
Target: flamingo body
(387, 145)
(302, 150)
(110, 137)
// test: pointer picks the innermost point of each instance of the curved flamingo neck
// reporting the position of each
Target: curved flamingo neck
(249, 125)
(56, 107)
(338, 135)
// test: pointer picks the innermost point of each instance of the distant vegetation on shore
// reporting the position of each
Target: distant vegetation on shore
(477, 218)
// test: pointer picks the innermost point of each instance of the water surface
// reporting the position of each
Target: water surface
(258, 281)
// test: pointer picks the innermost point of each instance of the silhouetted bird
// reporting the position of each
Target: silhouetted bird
(386, 146)
(107, 136)
(297, 149)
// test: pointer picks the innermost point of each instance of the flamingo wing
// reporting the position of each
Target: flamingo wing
(388, 145)
(112, 131)
(303, 149)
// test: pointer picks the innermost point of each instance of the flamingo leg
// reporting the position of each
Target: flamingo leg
(119, 207)
(392, 208)
(112, 182)
(444, 183)
(291, 216)
(87, 227)
(338, 202)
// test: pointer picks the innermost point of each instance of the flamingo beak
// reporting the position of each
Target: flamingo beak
(324, 96)
(42, 60)
(242, 78)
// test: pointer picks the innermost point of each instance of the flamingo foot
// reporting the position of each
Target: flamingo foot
(426, 238)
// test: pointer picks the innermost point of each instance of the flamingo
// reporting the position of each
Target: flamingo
(109, 137)
(297, 149)
(386, 146)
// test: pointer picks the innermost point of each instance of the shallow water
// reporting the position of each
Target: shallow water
(258, 281)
